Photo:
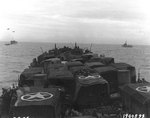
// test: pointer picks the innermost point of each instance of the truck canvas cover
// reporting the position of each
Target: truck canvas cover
(110, 74)
(94, 64)
(77, 68)
(35, 102)
(78, 59)
(26, 77)
(107, 60)
(61, 74)
(83, 71)
(90, 55)
(91, 91)
(63, 78)
(49, 62)
(52, 60)
(31, 71)
(57, 67)
(121, 66)
(95, 59)
(136, 98)
(124, 66)
(73, 64)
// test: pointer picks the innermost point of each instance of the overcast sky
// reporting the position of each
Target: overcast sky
(83, 21)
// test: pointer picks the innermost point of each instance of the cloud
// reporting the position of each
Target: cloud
(74, 19)
(69, 11)
(111, 9)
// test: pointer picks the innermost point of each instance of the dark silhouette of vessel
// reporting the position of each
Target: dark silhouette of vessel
(12, 42)
(126, 45)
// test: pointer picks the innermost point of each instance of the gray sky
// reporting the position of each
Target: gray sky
(83, 21)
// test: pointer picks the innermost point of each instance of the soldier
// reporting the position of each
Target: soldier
(34, 63)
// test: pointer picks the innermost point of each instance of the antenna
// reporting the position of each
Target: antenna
(139, 73)
(41, 49)
(55, 46)
(75, 44)
(90, 46)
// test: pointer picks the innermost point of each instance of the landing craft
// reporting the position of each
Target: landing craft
(70, 83)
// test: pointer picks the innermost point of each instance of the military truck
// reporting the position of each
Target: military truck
(35, 102)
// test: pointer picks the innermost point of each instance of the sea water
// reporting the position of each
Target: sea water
(15, 58)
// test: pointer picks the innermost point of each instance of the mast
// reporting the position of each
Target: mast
(55, 46)
(75, 45)
(90, 46)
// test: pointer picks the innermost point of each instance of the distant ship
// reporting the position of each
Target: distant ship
(12, 42)
(126, 45)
